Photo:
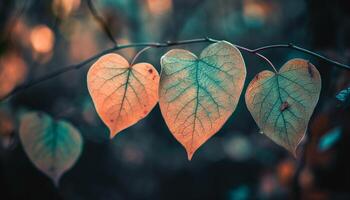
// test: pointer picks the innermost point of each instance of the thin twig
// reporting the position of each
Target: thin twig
(85, 62)
(249, 51)
(166, 44)
(259, 55)
(16, 18)
(138, 54)
(101, 21)
(292, 46)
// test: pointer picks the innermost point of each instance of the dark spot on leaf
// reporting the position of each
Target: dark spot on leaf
(256, 77)
(111, 120)
(284, 106)
(309, 70)
(150, 71)
(145, 112)
(154, 77)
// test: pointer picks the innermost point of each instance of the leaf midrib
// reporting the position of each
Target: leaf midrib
(197, 102)
(125, 90)
(281, 112)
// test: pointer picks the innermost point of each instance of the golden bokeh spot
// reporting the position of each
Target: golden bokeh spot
(6, 124)
(13, 71)
(64, 8)
(42, 39)
(159, 7)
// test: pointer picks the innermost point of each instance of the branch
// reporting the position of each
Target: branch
(100, 20)
(15, 19)
(87, 61)
(166, 44)
(292, 46)
(257, 54)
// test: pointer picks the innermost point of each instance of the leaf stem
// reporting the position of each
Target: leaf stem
(257, 54)
(163, 45)
(297, 48)
(138, 54)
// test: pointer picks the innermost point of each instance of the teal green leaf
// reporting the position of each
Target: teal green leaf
(52, 146)
(282, 103)
(198, 95)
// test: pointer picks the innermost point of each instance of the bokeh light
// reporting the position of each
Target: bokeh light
(21, 31)
(64, 8)
(78, 36)
(306, 178)
(238, 148)
(254, 14)
(6, 124)
(13, 71)
(285, 171)
(42, 39)
(268, 185)
(159, 7)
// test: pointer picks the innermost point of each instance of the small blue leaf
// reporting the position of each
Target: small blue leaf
(329, 139)
(343, 95)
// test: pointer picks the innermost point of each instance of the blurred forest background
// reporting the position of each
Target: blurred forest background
(145, 161)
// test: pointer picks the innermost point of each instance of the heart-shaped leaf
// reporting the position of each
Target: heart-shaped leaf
(122, 94)
(198, 95)
(52, 146)
(282, 103)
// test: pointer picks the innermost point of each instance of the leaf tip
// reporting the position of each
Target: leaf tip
(190, 155)
(56, 181)
(111, 135)
(55, 178)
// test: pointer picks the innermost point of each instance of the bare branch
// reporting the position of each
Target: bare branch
(292, 46)
(13, 21)
(168, 44)
(101, 21)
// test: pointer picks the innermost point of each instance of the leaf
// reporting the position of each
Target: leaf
(282, 104)
(52, 146)
(198, 95)
(343, 95)
(122, 94)
(328, 140)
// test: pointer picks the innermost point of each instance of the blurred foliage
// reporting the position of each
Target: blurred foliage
(145, 161)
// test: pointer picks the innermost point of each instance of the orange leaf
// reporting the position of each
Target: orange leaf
(122, 94)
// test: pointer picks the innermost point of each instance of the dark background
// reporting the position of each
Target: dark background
(145, 161)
